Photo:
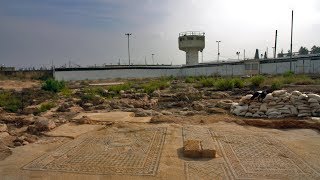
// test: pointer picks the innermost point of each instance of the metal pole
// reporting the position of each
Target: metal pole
(218, 49)
(128, 34)
(275, 45)
(291, 41)
(244, 54)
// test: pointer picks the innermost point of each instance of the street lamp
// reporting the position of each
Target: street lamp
(218, 49)
(128, 34)
(152, 59)
(238, 53)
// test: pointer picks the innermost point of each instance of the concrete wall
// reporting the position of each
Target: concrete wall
(300, 66)
(114, 73)
(277, 66)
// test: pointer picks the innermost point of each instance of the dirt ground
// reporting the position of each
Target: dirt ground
(244, 152)
(102, 138)
(18, 85)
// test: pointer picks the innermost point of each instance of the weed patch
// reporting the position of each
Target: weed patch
(53, 85)
(224, 84)
(10, 102)
(155, 85)
(256, 81)
(207, 82)
(45, 107)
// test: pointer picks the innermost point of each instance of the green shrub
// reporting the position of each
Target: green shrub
(303, 80)
(66, 92)
(45, 107)
(297, 79)
(238, 83)
(119, 87)
(190, 80)
(90, 98)
(256, 81)
(224, 84)
(288, 74)
(155, 85)
(276, 84)
(10, 102)
(207, 82)
(53, 85)
(288, 79)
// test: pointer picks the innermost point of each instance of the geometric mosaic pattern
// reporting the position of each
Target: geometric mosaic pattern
(245, 155)
(102, 152)
(206, 170)
(257, 156)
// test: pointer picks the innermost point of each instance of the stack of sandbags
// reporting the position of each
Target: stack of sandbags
(278, 104)
(300, 101)
(314, 105)
(241, 108)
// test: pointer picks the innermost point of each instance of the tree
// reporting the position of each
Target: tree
(303, 50)
(315, 50)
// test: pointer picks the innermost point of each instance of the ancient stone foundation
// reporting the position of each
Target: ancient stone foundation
(278, 104)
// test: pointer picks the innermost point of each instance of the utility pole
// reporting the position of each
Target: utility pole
(218, 49)
(244, 54)
(128, 34)
(275, 45)
(152, 59)
(291, 41)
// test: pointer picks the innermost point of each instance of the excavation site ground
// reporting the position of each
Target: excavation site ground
(138, 128)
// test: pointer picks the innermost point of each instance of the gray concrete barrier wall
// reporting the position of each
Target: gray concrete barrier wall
(114, 73)
(303, 65)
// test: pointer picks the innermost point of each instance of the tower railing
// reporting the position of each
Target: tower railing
(195, 33)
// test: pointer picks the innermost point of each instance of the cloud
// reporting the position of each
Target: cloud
(88, 32)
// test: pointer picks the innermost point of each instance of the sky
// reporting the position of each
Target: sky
(92, 32)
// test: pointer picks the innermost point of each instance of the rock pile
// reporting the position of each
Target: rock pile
(279, 104)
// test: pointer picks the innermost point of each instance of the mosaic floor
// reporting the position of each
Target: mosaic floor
(241, 155)
(123, 152)
(247, 156)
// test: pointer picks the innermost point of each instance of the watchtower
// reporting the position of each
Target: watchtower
(191, 42)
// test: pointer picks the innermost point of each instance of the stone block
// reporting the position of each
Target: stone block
(195, 149)
(192, 149)
(208, 153)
